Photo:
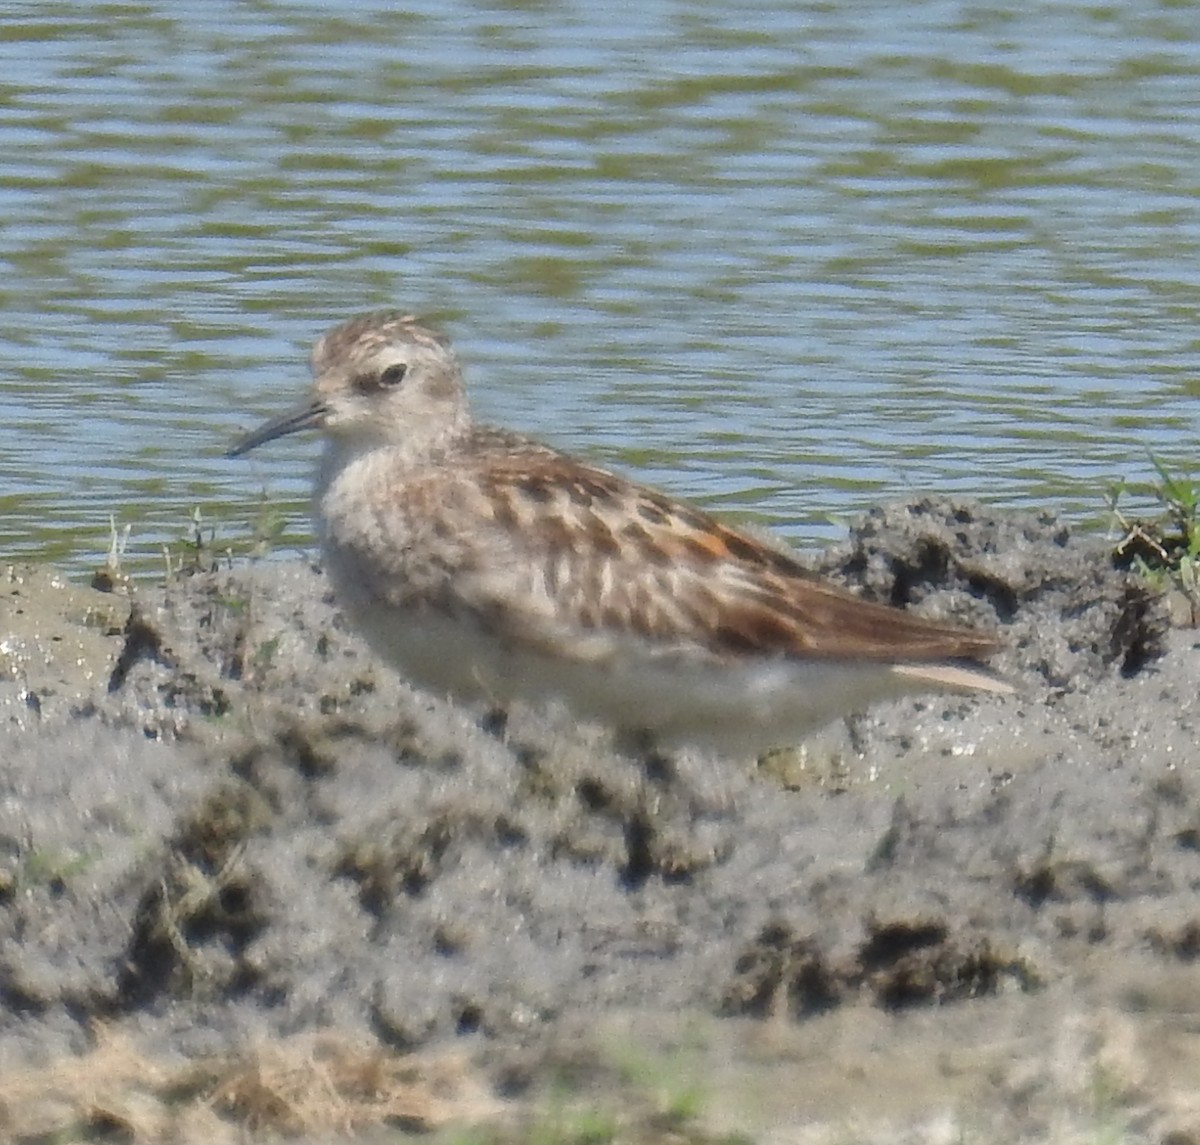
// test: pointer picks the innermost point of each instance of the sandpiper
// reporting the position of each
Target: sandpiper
(483, 564)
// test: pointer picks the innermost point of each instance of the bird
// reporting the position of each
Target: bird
(485, 565)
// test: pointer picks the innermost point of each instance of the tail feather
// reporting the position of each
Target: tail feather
(957, 677)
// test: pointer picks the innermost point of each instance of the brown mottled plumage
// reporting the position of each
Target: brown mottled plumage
(481, 563)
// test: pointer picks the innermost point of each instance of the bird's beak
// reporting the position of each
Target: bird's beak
(311, 415)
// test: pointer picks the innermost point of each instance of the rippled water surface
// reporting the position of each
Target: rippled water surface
(787, 259)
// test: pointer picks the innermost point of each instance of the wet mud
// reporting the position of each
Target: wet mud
(223, 824)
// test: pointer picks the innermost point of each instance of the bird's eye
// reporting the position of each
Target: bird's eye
(393, 375)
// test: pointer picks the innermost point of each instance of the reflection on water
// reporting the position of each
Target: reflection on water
(786, 260)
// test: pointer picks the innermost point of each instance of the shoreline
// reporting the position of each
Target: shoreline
(228, 827)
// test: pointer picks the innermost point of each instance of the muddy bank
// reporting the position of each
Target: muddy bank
(223, 825)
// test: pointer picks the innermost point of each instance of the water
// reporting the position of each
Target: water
(788, 260)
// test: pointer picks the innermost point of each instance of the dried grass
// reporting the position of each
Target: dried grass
(295, 1088)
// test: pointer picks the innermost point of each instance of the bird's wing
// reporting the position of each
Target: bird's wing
(576, 559)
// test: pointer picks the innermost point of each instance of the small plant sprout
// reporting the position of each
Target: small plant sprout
(1165, 550)
(111, 576)
(118, 542)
